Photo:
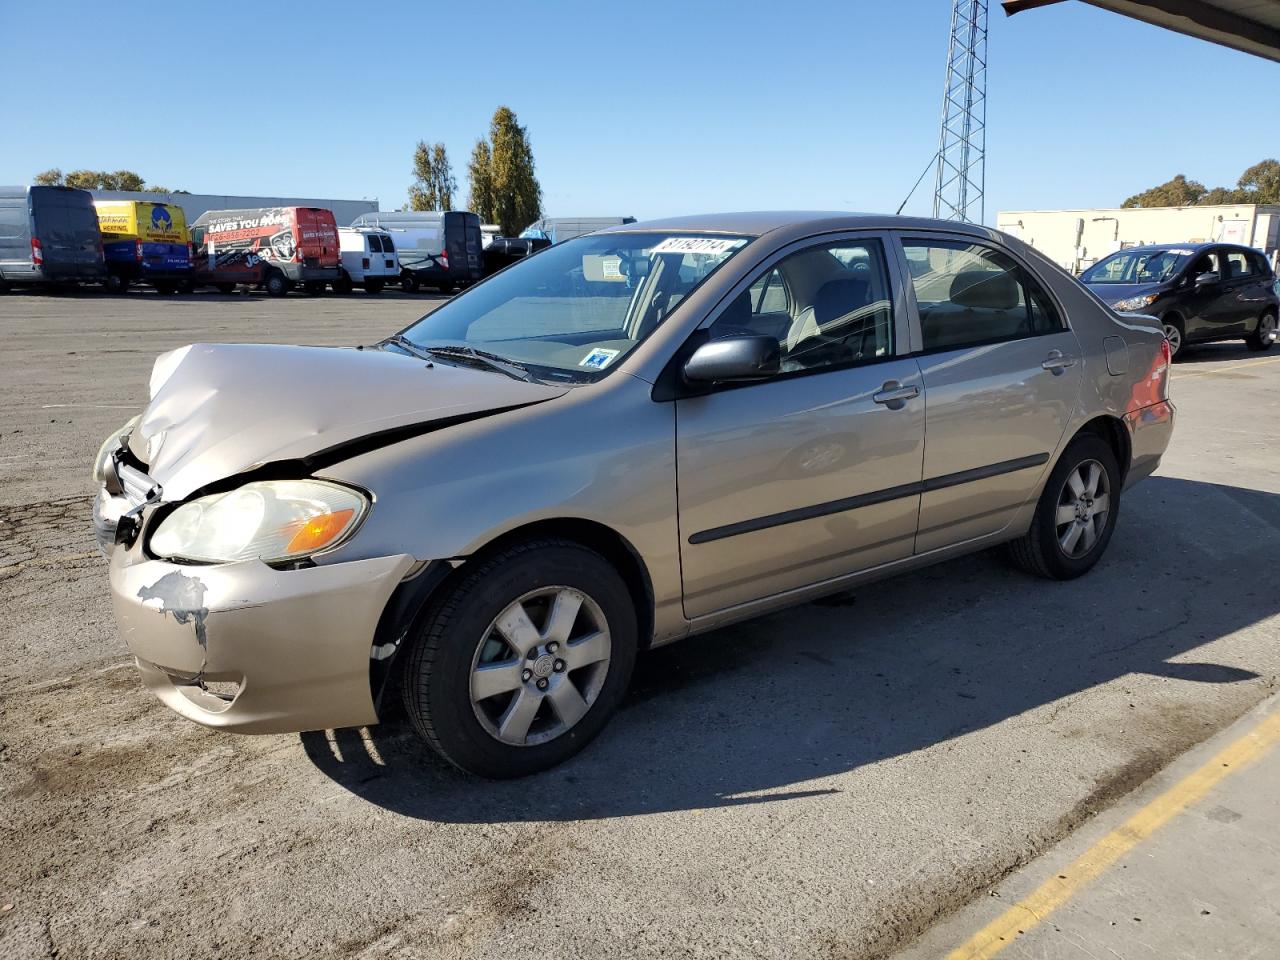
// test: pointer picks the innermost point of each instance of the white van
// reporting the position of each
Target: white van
(369, 260)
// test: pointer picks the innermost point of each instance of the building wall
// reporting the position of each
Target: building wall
(194, 204)
(1076, 239)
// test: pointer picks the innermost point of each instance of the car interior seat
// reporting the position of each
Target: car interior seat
(982, 305)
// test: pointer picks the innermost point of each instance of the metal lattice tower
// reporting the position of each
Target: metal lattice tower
(960, 183)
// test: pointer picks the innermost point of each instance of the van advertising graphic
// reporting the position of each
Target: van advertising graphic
(141, 238)
(242, 242)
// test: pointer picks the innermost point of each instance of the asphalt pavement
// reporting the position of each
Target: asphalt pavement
(826, 782)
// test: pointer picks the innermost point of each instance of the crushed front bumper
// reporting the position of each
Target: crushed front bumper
(251, 649)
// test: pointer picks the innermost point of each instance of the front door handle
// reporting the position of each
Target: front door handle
(894, 395)
(1057, 362)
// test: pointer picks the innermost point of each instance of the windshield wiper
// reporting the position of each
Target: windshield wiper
(511, 368)
(407, 345)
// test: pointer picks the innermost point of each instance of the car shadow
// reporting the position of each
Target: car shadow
(757, 712)
(1193, 353)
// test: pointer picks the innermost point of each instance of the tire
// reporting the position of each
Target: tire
(1264, 334)
(165, 289)
(313, 288)
(4, 286)
(460, 627)
(373, 286)
(409, 283)
(277, 284)
(225, 287)
(1175, 333)
(116, 283)
(1041, 550)
(343, 284)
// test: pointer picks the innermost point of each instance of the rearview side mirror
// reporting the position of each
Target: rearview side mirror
(1205, 280)
(734, 359)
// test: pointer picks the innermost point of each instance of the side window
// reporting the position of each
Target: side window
(1238, 265)
(827, 306)
(13, 217)
(968, 294)
(1208, 263)
(1260, 265)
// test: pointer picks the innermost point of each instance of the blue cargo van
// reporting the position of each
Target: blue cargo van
(49, 235)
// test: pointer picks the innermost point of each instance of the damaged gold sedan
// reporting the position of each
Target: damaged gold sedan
(628, 438)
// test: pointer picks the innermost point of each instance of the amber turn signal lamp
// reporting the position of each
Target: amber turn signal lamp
(316, 533)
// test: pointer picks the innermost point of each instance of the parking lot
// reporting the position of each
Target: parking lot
(829, 781)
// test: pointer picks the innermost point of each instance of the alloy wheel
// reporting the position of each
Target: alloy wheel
(1174, 336)
(1083, 506)
(540, 666)
(1267, 329)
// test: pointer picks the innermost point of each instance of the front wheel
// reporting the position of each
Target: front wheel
(518, 666)
(1264, 335)
(1076, 514)
(1173, 333)
(116, 283)
(409, 283)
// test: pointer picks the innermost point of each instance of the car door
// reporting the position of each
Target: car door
(1244, 293)
(1001, 372)
(815, 472)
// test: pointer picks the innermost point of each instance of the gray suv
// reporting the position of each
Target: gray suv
(1199, 291)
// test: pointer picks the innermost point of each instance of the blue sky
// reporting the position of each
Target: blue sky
(645, 109)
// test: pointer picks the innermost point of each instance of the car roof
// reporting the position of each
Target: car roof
(758, 223)
(1180, 245)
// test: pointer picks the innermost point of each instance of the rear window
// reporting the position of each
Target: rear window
(375, 244)
(387, 245)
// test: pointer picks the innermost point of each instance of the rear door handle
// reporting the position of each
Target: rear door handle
(1057, 362)
(894, 395)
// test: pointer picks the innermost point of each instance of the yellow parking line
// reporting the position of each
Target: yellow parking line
(1053, 893)
(1178, 375)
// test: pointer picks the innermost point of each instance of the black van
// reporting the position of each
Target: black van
(49, 235)
(441, 249)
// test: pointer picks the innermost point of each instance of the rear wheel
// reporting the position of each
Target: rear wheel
(4, 285)
(116, 283)
(373, 286)
(343, 284)
(225, 287)
(521, 664)
(1264, 335)
(1173, 333)
(1076, 514)
(409, 283)
(277, 284)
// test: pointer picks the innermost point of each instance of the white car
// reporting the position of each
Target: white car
(369, 260)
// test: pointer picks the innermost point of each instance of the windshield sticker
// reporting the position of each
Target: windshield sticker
(708, 245)
(598, 358)
(612, 268)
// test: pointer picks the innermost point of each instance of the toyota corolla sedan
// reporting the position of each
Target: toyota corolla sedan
(635, 436)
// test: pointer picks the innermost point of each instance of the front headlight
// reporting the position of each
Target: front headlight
(269, 520)
(1136, 303)
(108, 447)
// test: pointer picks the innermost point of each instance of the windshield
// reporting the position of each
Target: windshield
(1137, 266)
(570, 313)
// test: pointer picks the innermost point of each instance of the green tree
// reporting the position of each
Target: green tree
(1178, 192)
(480, 182)
(1261, 182)
(433, 182)
(517, 195)
(50, 178)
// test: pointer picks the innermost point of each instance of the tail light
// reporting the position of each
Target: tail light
(37, 253)
(364, 262)
(1166, 367)
(137, 250)
(444, 259)
(191, 253)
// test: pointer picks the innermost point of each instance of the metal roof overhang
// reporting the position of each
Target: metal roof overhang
(1252, 26)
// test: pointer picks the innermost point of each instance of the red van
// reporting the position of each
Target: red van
(273, 247)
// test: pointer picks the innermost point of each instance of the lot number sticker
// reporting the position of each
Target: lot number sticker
(706, 245)
(598, 358)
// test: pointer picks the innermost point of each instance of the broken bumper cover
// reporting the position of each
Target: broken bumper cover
(251, 649)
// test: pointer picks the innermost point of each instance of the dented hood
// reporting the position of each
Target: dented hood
(220, 409)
